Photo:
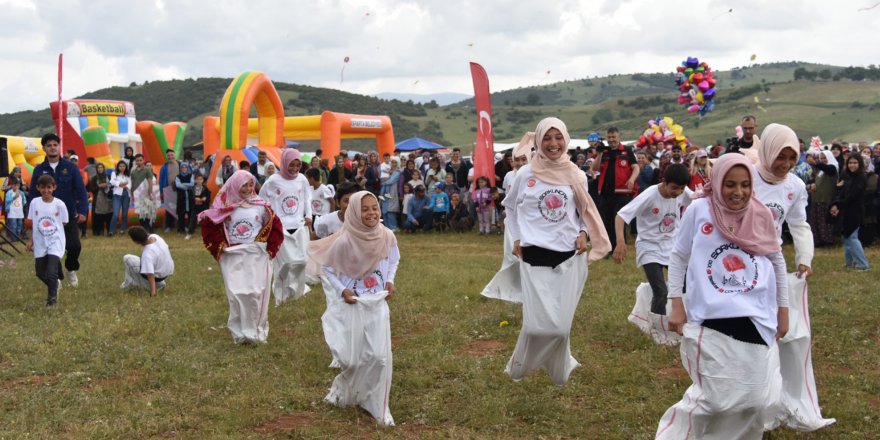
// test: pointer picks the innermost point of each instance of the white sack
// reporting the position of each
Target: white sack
(289, 279)
(506, 285)
(359, 337)
(550, 298)
(729, 393)
(247, 274)
(654, 325)
(795, 380)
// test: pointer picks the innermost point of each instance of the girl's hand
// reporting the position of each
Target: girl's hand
(349, 297)
(804, 271)
(581, 244)
(517, 249)
(678, 317)
(782, 323)
(389, 286)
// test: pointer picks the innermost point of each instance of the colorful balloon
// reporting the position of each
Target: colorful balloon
(697, 86)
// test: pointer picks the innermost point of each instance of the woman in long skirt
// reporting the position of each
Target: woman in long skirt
(242, 233)
(550, 217)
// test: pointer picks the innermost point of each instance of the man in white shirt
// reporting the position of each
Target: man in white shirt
(150, 270)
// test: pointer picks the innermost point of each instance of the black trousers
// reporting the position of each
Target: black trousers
(73, 246)
(608, 206)
(48, 268)
(654, 273)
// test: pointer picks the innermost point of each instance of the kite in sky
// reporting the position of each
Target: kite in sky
(729, 11)
(342, 72)
(868, 9)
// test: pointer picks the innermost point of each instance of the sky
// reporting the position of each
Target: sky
(403, 46)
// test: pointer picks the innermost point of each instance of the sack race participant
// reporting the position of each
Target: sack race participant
(289, 194)
(786, 197)
(243, 233)
(358, 267)
(152, 268)
(737, 306)
(506, 284)
(550, 215)
(657, 210)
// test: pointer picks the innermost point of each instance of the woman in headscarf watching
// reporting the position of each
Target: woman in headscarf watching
(847, 208)
(339, 173)
(184, 183)
(227, 169)
(551, 217)
(737, 307)
(358, 265)
(243, 233)
(785, 195)
(824, 190)
(290, 195)
(102, 200)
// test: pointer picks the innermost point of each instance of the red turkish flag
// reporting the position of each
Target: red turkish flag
(484, 153)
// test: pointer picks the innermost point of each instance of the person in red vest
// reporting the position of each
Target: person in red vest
(617, 178)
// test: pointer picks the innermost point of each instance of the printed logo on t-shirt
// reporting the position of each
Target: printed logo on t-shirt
(655, 211)
(668, 223)
(552, 204)
(289, 205)
(790, 196)
(531, 183)
(732, 270)
(46, 226)
(317, 205)
(369, 284)
(777, 210)
(707, 228)
(242, 229)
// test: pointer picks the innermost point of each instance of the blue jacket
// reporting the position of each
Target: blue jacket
(69, 186)
(416, 207)
(440, 202)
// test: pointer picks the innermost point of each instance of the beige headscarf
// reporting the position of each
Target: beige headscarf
(356, 249)
(525, 146)
(563, 171)
(774, 139)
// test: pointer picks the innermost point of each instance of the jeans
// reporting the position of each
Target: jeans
(120, 210)
(426, 220)
(48, 267)
(390, 220)
(853, 253)
(15, 226)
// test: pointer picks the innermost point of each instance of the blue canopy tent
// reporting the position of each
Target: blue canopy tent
(417, 143)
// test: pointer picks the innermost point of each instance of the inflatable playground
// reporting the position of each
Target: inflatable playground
(103, 129)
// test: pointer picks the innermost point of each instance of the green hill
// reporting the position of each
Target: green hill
(829, 101)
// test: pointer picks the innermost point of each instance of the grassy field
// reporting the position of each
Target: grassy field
(108, 364)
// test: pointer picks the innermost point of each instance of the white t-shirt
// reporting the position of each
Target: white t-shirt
(48, 221)
(541, 214)
(373, 282)
(508, 180)
(787, 200)
(319, 195)
(657, 219)
(116, 181)
(16, 208)
(327, 224)
(244, 224)
(156, 259)
(724, 281)
(290, 199)
(384, 171)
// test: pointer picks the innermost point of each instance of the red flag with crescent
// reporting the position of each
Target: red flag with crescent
(484, 153)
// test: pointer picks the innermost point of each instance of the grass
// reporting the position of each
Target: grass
(108, 364)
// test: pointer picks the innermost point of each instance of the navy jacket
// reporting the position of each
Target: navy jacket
(69, 186)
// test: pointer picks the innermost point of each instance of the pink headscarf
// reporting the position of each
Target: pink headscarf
(563, 171)
(525, 146)
(229, 198)
(356, 249)
(288, 156)
(774, 139)
(751, 228)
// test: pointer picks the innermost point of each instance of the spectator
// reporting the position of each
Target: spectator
(823, 192)
(120, 181)
(339, 173)
(145, 192)
(372, 173)
(440, 205)
(483, 204)
(201, 202)
(167, 193)
(225, 172)
(420, 215)
(847, 208)
(701, 169)
(15, 201)
(184, 184)
(390, 198)
(458, 168)
(434, 175)
(258, 168)
(102, 200)
(459, 220)
(618, 174)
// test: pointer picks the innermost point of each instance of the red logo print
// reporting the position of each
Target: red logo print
(278, 192)
(790, 196)
(242, 229)
(531, 183)
(655, 211)
(667, 221)
(290, 203)
(733, 263)
(553, 201)
(370, 282)
(47, 224)
(707, 228)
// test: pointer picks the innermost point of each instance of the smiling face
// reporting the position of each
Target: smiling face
(46, 191)
(853, 165)
(294, 166)
(784, 162)
(370, 213)
(736, 189)
(553, 144)
(246, 190)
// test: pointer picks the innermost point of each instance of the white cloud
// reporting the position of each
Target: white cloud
(406, 45)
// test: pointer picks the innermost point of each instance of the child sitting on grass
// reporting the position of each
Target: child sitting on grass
(48, 216)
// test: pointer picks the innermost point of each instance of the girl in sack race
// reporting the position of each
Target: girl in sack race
(358, 265)
(736, 309)
(243, 234)
(550, 215)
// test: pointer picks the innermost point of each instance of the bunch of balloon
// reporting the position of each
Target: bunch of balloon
(663, 132)
(696, 83)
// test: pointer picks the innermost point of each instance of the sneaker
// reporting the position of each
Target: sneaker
(58, 291)
(167, 230)
(188, 236)
(71, 278)
(161, 285)
(51, 304)
(860, 269)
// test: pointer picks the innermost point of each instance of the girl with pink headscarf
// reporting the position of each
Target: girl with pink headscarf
(290, 195)
(242, 232)
(785, 195)
(551, 217)
(358, 265)
(737, 307)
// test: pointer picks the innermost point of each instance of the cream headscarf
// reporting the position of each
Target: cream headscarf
(563, 171)
(774, 139)
(525, 146)
(356, 249)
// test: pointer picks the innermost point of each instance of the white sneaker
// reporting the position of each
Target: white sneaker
(59, 287)
(71, 278)
(188, 236)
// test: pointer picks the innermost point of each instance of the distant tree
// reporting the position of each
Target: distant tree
(133, 84)
(825, 74)
(533, 99)
(602, 116)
